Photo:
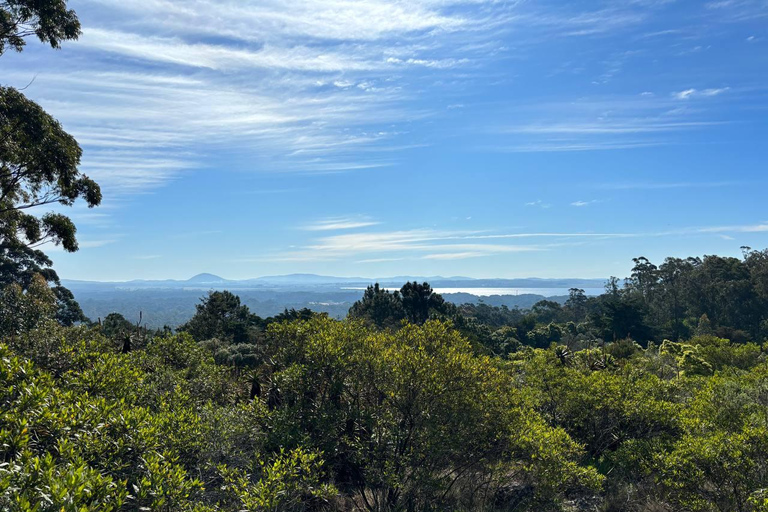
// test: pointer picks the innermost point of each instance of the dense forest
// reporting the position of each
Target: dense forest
(652, 396)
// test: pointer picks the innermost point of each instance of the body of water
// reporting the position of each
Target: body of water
(487, 292)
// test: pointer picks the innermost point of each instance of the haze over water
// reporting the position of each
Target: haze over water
(488, 292)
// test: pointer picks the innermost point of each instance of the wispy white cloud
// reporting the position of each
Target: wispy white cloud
(738, 10)
(563, 235)
(341, 20)
(90, 244)
(603, 123)
(454, 255)
(428, 63)
(696, 93)
(339, 223)
(379, 260)
(310, 86)
(608, 127)
(580, 204)
(140, 131)
(220, 57)
(416, 243)
(446, 245)
(562, 23)
(560, 147)
(747, 228)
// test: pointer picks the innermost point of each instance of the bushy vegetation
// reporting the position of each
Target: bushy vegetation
(302, 412)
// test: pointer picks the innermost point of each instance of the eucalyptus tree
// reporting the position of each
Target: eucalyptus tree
(48, 20)
(38, 161)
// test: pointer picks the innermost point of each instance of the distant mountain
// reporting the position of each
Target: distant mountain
(206, 278)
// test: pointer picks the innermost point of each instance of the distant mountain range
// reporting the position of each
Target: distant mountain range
(294, 281)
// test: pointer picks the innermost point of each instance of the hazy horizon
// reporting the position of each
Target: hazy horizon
(360, 277)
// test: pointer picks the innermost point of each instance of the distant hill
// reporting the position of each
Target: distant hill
(206, 278)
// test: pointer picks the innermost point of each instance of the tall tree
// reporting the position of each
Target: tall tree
(419, 300)
(38, 161)
(644, 277)
(48, 20)
(674, 275)
(577, 304)
(220, 315)
(379, 307)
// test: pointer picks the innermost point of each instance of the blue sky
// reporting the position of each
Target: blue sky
(377, 137)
